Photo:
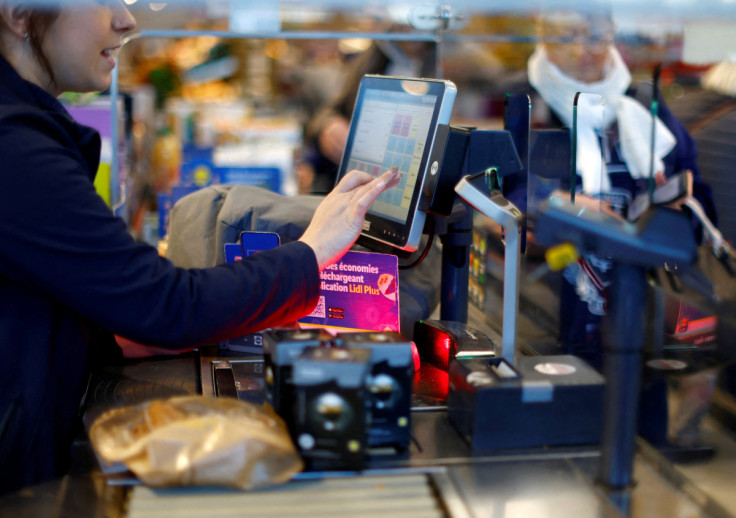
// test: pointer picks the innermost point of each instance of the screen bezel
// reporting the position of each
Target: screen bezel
(406, 235)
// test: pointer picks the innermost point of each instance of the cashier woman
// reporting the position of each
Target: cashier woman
(71, 276)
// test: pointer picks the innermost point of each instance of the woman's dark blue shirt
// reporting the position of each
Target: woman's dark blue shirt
(71, 277)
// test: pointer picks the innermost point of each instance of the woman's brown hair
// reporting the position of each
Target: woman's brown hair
(39, 22)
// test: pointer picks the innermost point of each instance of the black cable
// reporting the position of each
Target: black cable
(427, 246)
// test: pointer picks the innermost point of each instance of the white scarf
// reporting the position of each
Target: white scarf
(634, 121)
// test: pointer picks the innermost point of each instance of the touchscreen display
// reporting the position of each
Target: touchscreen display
(392, 130)
(394, 124)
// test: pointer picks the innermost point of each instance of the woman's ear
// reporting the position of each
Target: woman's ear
(15, 18)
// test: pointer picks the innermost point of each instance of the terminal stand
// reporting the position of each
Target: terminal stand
(456, 241)
(634, 248)
(476, 191)
(622, 371)
(481, 151)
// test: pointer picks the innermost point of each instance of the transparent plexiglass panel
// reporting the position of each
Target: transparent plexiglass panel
(211, 68)
(588, 179)
(549, 165)
(517, 118)
(459, 16)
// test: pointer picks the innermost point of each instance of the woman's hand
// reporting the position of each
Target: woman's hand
(134, 350)
(338, 220)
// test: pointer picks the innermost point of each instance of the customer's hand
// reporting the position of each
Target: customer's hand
(679, 202)
(588, 202)
(338, 220)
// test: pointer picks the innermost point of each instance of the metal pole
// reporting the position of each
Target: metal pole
(622, 370)
(511, 274)
(456, 268)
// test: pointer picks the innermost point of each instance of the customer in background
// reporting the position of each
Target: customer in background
(327, 131)
(71, 276)
(576, 53)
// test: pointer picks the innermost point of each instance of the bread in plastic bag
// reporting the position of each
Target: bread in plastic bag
(198, 440)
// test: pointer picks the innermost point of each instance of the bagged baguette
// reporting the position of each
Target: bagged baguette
(198, 441)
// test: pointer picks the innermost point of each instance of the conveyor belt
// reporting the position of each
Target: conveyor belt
(404, 496)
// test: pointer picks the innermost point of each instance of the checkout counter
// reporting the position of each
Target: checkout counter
(444, 471)
(439, 476)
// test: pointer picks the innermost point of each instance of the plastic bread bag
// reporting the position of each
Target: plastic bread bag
(198, 440)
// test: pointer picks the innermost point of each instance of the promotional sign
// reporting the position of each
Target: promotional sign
(359, 293)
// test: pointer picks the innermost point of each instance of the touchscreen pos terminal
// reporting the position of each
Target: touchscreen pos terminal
(395, 123)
